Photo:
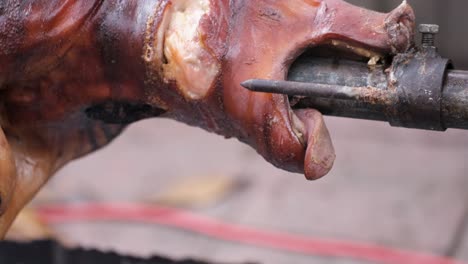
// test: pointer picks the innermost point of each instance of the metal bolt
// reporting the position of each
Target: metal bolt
(428, 34)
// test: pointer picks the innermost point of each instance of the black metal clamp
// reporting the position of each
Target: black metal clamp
(419, 79)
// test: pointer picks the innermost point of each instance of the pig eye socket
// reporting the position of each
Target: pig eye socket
(119, 112)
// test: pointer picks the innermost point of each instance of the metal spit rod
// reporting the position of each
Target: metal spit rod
(418, 90)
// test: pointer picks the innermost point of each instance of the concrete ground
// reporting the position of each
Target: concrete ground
(399, 188)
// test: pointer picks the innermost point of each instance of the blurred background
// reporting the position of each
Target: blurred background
(395, 188)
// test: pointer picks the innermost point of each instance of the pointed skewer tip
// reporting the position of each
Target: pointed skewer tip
(247, 84)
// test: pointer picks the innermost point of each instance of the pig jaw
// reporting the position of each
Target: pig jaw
(268, 36)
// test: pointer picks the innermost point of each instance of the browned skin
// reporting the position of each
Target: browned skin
(59, 57)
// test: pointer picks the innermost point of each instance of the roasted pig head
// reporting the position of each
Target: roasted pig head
(74, 73)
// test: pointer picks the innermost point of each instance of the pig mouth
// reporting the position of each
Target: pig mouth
(345, 50)
(336, 50)
(307, 124)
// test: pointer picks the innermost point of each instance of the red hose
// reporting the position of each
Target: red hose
(176, 218)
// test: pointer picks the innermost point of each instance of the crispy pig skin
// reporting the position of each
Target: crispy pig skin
(185, 58)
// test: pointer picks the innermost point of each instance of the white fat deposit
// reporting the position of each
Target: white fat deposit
(188, 61)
